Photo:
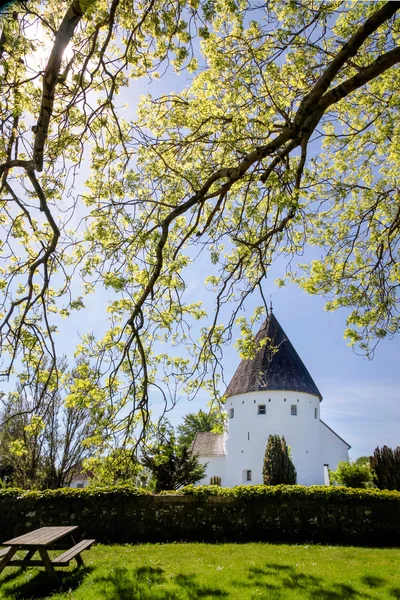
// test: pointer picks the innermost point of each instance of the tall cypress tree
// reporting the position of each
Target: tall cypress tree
(385, 464)
(278, 466)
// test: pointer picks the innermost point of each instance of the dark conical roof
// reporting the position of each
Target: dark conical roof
(276, 366)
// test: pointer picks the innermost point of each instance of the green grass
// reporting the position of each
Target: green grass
(205, 571)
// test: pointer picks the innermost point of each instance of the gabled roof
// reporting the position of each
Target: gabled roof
(208, 444)
(334, 432)
(276, 366)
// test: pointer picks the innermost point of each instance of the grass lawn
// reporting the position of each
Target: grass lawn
(205, 571)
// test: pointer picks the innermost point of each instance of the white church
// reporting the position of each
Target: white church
(271, 394)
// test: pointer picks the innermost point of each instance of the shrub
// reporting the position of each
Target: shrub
(215, 480)
(278, 466)
(354, 476)
(385, 464)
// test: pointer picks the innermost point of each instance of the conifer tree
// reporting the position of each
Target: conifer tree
(385, 464)
(278, 466)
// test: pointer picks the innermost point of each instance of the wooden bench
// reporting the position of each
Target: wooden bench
(39, 541)
(74, 552)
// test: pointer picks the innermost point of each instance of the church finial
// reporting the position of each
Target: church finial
(270, 304)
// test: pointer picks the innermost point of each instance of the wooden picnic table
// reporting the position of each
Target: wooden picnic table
(39, 541)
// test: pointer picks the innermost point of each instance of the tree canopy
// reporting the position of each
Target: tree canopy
(196, 422)
(286, 136)
(43, 441)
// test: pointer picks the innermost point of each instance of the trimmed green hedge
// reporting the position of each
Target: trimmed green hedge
(290, 491)
(125, 514)
(89, 492)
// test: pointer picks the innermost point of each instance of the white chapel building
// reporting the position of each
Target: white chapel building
(271, 394)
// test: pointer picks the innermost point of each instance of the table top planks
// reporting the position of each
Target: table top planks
(41, 537)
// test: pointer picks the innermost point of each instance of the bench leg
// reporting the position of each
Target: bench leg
(6, 559)
(47, 564)
(78, 558)
(29, 555)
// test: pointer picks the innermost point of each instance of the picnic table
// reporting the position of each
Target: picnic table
(39, 541)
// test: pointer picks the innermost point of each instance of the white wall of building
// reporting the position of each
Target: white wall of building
(249, 432)
(79, 483)
(216, 466)
(333, 448)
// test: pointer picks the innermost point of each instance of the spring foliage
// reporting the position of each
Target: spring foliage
(287, 134)
(352, 475)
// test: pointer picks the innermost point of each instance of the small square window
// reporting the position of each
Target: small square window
(231, 413)
(79, 485)
(262, 409)
(248, 475)
(316, 413)
(293, 410)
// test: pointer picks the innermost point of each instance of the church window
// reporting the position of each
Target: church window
(316, 413)
(248, 475)
(231, 413)
(293, 410)
(248, 436)
(262, 409)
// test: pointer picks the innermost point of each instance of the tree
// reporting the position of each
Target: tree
(120, 466)
(287, 135)
(278, 466)
(385, 464)
(355, 475)
(171, 465)
(362, 460)
(42, 439)
(195, 422)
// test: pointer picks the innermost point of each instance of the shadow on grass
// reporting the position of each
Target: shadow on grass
(373, 581)
(39, 586)
(147, 583)
(269, 582)
(272, 581)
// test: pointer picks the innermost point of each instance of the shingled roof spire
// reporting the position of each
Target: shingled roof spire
(276, 366)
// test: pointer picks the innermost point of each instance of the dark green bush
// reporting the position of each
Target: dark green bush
(278, 466)
(385, 464)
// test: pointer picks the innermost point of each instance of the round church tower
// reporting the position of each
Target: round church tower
(273, 394)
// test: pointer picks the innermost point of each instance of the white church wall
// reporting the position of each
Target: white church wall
(333, 448)
(249, 432)
(216, 466)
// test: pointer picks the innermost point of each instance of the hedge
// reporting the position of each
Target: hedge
(125, 514)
